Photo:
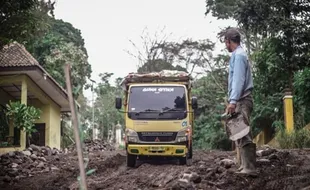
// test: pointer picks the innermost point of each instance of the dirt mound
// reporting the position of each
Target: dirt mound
(67, 171)
(22, 164)
(278, 169)
(94, 145)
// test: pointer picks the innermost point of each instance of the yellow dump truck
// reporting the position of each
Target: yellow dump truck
(159, 118)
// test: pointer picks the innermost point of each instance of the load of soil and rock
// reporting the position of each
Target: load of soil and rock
(94, 145)
(277, 169)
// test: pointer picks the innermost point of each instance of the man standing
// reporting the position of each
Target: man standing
(240, 102)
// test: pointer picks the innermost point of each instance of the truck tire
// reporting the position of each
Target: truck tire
(187, 160)
(190, 152)
(131, 160)
(183, 160)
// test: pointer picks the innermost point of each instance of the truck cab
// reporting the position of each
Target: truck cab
(158, 111)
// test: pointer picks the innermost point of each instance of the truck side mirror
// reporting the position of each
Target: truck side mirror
(118, 103)
(194, 103)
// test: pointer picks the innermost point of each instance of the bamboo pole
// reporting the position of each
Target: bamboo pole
(75, 127)
(238, 155)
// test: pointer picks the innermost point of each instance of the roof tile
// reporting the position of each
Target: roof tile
(14, 55)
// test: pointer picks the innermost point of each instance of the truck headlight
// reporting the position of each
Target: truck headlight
(182, 135)
(181, 139)
(131, 135)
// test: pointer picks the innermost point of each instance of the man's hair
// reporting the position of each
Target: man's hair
(233, 35)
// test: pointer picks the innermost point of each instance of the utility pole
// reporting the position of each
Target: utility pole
(93, 109)
(102, 128)
(103, 124)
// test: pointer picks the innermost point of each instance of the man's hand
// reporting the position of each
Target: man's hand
(230, 109)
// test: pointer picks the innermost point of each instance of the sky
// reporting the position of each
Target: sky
(107, 27)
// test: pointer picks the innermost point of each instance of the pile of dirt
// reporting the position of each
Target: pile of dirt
(98, 145)
(67, 172)
(277, 169)
(94, 145)
(22, 164)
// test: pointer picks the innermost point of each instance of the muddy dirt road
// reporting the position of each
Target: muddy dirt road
(282, 169)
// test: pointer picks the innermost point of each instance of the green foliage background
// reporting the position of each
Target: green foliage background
(275, 35)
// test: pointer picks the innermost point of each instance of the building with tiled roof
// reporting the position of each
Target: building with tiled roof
(23, 79)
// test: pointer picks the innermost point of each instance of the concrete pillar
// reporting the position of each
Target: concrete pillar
(110, 136)
(24, 93)
(118, 135)
(23, 97)
(288, 111)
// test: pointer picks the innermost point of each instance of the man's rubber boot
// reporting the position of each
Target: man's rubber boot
(241, 161)
(248, 154)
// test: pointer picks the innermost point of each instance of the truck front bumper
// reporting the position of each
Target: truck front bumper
(157, 150)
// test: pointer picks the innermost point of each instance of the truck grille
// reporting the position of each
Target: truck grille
(157, 136)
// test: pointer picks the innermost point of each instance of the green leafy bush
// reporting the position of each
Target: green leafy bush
(210, 134)
(4, 123)
(23, 116)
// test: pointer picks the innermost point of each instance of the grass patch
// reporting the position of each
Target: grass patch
(299, 138)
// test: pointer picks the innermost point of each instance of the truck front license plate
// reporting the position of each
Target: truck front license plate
(157, 148)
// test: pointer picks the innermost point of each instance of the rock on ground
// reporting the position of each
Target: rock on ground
(280, 169)
(27, 163)
(94, 145)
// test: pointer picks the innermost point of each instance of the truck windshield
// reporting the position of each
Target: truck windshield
(148, 102)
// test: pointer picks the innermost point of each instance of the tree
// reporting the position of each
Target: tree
(60, 32)
(21, 20)
(286, 21)
(301, 98)
(287, 46)
(60, 45)
(225, 9)
(161, 53)
(151, 49)
(211, 91)
(68, 53)
(85, 114)
(222, 9)
(191, 54)
(282, 57)
(106, 116)
(158, 65)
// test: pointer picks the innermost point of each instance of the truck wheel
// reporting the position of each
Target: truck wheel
(183, 160)
(190, 152)
(131, 160)
(186, 161)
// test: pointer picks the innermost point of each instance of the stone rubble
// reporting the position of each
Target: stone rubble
(37, 159)
(20, 164)
(213, 175)
(187, 181)
(94, 145)
(265, 152)
(210, 170)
